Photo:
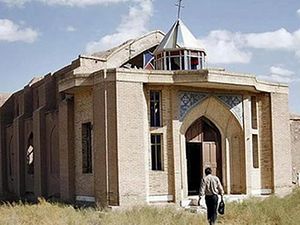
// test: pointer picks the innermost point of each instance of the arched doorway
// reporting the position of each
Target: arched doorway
(231, 148)
(203, 149)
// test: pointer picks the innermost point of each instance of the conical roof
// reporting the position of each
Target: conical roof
(179, 36)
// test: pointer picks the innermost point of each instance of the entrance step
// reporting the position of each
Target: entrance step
(192, 201)
(196, 209)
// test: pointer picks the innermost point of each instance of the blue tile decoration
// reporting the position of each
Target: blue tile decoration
(235, 104)
(188, 100)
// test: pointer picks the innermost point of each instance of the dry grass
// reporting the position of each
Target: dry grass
(271, 211)
(45, 213)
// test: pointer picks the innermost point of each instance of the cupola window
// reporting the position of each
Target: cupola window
(179, 50)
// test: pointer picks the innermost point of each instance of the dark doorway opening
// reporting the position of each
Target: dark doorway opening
(194, 165)
(203, 149)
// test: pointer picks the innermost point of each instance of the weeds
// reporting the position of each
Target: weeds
(271, 211)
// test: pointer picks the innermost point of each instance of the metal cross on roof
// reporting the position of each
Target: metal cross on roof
(179, 5)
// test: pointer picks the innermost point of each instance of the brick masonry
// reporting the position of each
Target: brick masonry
(83, 102)
(116, 102)
(295, 144)
(281, 143)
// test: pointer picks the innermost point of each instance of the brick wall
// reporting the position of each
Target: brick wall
(162, 182)
(295, 144)
(265, 138)
(83, 108)
(281, 143)
(132, 143)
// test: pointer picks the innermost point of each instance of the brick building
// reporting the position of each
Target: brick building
(295, 138)
(140, 122)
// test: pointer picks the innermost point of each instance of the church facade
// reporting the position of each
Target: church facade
(139, 123)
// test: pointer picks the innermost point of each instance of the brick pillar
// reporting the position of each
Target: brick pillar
(179, 165)
(281, 144)
(180, 187)
(66, 149)
(265, 137)
(100, 144)
(19, 146)
(40, 153)
(132, 143)
(248, 143)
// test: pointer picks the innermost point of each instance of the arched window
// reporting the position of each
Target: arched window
(30, 155)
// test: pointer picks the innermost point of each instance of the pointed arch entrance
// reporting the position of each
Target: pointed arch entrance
(231, 148)
(203, 149)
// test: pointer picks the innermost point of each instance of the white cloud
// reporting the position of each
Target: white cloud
(279, 39)
(225, 47)
(280, 74)
(281, 71)
(62, 2)
(234, 47)
(298, 12)
(11, 32)
(71, 29)
(132, 25)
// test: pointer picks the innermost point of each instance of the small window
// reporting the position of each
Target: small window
(182, 63)
(155, 108)
(168, 63)
(156, 162)
(253, 112)
(255, 152)
(30, 156)
(175, 63)
(194, 63)
(87, 148)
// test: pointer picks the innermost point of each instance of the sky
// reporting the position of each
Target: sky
(250, 36)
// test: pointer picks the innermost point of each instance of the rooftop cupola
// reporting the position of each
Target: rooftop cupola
(179, 50)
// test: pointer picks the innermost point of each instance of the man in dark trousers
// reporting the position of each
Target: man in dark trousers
(211, 187)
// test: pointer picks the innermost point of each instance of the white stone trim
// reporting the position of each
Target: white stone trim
(261, 192)
(160, 198)
(266, 191)
(82, 198)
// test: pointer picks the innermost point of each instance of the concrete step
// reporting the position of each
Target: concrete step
(193, 200)
(196, 209)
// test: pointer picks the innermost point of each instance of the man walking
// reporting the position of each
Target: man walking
(211, 187)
